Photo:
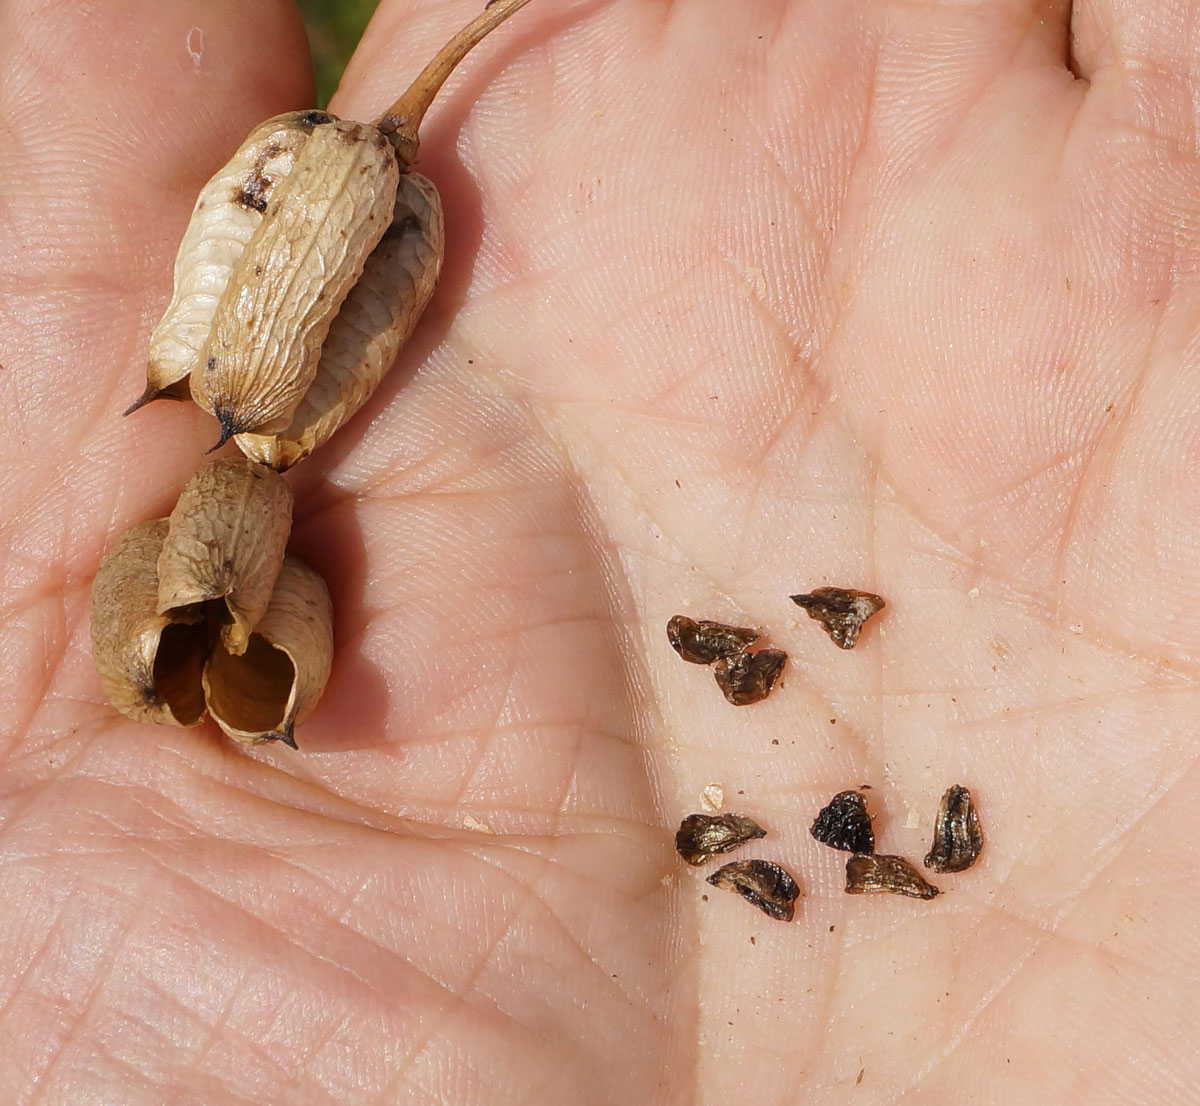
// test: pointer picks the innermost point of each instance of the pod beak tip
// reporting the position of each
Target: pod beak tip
(229, 427)
(149, 394)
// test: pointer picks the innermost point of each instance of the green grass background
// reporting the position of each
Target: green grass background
(334, 28)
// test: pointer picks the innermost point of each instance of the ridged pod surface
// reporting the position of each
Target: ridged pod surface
(320, 227)
(149, 663)
(228, 211)
(226, 540)
(376, 319)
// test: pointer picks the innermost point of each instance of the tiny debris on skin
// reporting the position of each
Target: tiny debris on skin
(705, 642)
(842, 611)
(748, 677)
(845, 824)
(703, 836)
(893, 874)
(762, 883)
(957, 837)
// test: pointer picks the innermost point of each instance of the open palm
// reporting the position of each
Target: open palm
(740, 300)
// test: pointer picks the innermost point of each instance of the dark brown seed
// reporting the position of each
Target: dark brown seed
(844, 824)
(703, 836)
(762, 883)
(749, 677)
(704, 642)
(866, 874)
(957, 838)
(842, 611)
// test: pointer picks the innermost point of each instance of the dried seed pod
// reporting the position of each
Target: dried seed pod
(704, 642)
(391, 303)
(842, 611)
(226, 540)
(227, 212)
(868, 874)
(748, 677)
(762, 883)
(261, 694)
(376, 319)
(150, 664)
(845, 824)
(258, 302)
(322, 223)
(703, 836)
(957, 838)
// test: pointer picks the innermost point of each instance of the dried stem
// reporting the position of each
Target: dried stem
(402, 120)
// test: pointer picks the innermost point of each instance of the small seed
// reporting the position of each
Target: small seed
(703, 836)
(704, 642)
(842, 611)
(844, 824)
(869, 874)
(376, 319)
(261, 695)
(323, 221)
(762, 883)
(957, 837)
(748, 677)
(149, 663)
(228, 211)
(226, 540)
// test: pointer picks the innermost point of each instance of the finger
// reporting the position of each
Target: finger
(1152, 46)
(113, 115)
(963, 43)
(110, 139)
(402, 37)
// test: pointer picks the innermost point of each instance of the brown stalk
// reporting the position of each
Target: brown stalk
(402, 120)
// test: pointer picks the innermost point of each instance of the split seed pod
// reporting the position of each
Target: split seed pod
(261, 695)
(227, 213)
(149, 663)
(376, 319)
(226, 540)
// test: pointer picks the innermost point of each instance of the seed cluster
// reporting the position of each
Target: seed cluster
(742, 676)
(307, 263)
(843, 823)
(745, 677)
(762, 883)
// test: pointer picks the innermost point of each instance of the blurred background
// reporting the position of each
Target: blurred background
(334, 28)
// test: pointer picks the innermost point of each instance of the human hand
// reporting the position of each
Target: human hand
(739, 300)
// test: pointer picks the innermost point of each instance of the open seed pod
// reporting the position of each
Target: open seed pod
(225, 541)
(150, 664)
(261, 694)
(376, 319)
